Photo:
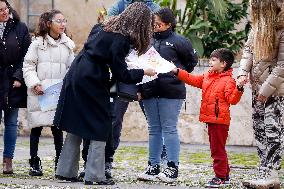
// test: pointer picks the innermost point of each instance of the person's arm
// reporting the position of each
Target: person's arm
(190, 79)
(30, 66)
(114, 9)
(186, 54)
(247, 57)
(25, 43)
(119, 50)
(276, 77)
(233, 93)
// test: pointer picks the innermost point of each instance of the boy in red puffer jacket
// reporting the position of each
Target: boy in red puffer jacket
(219, 91)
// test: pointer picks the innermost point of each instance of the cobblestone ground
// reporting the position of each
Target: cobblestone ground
(131, 159)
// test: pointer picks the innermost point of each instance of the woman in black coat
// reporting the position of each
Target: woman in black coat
(14, 43)
(84, 106)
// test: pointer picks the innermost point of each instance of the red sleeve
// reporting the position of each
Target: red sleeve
(190, 79)
(232, 94)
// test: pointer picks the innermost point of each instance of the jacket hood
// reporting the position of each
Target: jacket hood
(64, 39)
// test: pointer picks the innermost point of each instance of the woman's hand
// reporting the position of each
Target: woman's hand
(37, 90)
(139, 96)
(242, 80)
(150, 72)
(16, 84)
(261, 98)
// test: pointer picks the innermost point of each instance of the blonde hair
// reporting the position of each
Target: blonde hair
(263, 17)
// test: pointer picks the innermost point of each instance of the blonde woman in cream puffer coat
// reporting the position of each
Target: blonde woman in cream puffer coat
(45, 64)
(263, 64)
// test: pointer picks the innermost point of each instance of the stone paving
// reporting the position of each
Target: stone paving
(130, 160)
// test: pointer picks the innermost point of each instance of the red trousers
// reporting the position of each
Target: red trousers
(218, 134)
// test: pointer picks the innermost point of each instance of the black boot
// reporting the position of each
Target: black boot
(35, 166)
(56, 162)
(82, 174)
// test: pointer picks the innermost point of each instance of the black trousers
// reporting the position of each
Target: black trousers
(34, 140)
(118, 109)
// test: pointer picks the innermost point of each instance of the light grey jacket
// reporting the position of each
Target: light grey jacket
(267, 77)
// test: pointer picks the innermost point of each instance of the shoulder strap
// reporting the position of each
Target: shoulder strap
(121, 6)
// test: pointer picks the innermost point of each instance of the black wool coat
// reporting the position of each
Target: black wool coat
(84, 104)
(13, 48)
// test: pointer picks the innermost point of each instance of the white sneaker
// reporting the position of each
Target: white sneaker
(150, 173)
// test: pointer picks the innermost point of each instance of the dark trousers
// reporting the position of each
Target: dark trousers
(118, 109)
(34, 140)
(218, 134)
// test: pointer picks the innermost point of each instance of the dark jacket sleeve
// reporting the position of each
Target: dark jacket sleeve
(118, 52)
(186, 54)
(25, 41)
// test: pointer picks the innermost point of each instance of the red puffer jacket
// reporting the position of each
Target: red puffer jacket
(219, 90)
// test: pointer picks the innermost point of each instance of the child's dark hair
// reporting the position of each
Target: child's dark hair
(44, 19)
(224, 55)
(167, 16)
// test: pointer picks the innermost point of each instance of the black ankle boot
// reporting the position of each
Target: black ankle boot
(35, 166)
(56, 162)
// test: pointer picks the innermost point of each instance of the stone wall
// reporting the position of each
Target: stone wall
(190, 129)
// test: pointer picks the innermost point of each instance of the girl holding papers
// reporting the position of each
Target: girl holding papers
(45, 64)
(163, 98)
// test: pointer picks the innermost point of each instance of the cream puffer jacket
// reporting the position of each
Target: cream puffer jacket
(267, 77)
(45, 63)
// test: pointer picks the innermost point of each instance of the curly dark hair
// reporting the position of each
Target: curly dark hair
(136, 21)
(167, 16)
(45, 18)
(11, 10)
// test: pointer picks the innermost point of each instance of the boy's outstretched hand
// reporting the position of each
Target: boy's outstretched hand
(175, 71)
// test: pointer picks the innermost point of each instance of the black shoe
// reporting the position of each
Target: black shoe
(82, 174)
(170, 174)
(72, 179)
(150, 173)
(56, 162)
(104, 182)
(108, 168)
(35, 166)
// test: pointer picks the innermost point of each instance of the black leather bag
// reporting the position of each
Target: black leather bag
(125, 92)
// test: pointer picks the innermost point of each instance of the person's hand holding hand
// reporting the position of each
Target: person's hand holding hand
(16, 84)
(242, 80)
(261, 98)
(150, 72)
(37, 90)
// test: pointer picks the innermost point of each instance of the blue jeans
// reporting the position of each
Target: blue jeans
(162, 116)
(10, 131)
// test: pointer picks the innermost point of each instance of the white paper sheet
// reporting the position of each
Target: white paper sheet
(151, 59)
(49, 100)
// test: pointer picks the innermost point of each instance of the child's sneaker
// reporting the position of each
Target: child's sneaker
(150, 174)
(227, 181)
(215, 183)
(170, 174)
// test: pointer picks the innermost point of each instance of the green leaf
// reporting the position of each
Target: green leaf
(197, 44)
